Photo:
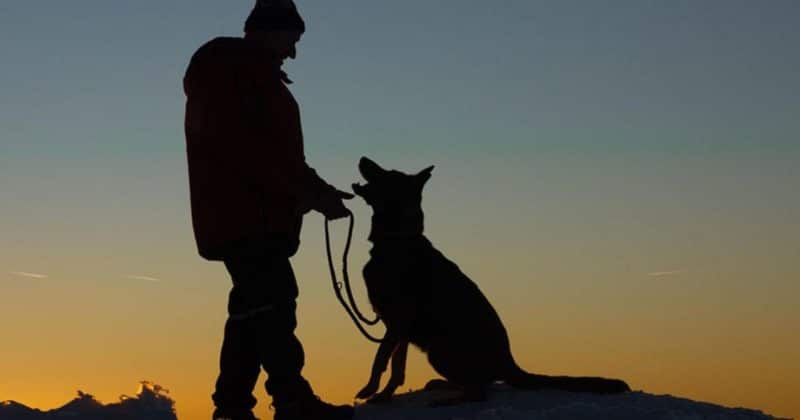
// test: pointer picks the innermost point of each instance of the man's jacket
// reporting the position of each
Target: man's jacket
(249, 181)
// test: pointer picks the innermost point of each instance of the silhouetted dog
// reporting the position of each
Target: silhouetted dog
(424, 299)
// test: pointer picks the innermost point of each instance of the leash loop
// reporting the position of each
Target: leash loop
(355, 314)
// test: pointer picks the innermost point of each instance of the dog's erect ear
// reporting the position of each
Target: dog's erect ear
(369, 169)
(424, 175)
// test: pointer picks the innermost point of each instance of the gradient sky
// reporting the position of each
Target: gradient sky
(621, 179)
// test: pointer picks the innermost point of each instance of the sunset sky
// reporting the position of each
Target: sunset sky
(620, 178)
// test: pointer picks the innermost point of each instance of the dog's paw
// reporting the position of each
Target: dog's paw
(367, 391)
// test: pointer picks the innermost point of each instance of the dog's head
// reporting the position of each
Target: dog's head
(390, 190)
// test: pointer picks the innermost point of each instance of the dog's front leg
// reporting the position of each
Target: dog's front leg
(398, 373)
(385, 350)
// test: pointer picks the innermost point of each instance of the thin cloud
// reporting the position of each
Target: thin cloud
(665, 273)
(28, 275)
(145, 278)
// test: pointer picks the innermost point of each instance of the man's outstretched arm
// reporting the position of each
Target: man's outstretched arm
(273, 150)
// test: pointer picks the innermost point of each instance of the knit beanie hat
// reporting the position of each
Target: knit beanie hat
(274, 15)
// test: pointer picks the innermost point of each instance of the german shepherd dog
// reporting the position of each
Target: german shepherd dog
(424, 299)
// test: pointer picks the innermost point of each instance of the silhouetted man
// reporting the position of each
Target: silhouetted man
(250, 186)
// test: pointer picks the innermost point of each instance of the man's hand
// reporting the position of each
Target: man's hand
(332, 206)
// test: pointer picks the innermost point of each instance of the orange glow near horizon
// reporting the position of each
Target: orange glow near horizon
(659, 335)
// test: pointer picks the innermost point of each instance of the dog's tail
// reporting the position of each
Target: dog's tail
(518, 378)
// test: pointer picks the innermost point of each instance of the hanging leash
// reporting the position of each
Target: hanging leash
(354, 313)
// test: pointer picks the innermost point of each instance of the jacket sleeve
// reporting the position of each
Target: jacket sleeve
(269, 142)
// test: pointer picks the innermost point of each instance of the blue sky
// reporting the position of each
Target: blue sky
(557, 95)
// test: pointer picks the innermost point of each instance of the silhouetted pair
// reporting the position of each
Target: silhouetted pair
(250, 188)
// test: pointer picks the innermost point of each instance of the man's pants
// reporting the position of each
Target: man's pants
(260, 333)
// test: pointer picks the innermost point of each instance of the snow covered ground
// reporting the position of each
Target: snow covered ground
(509, 404)
(151, 403)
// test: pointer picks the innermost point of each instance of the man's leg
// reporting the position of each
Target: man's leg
(240, 359)
(238, 372)
(282, 354)
(264, 297)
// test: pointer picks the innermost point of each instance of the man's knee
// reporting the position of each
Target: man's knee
(261, 286)
(280, 318)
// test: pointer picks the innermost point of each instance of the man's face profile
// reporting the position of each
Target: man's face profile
(279, 43)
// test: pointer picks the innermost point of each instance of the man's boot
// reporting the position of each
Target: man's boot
(241, 415)
(312, 408)
(300, 403)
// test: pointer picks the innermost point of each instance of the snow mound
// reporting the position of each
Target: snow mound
(150, 403)
(508, 404)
